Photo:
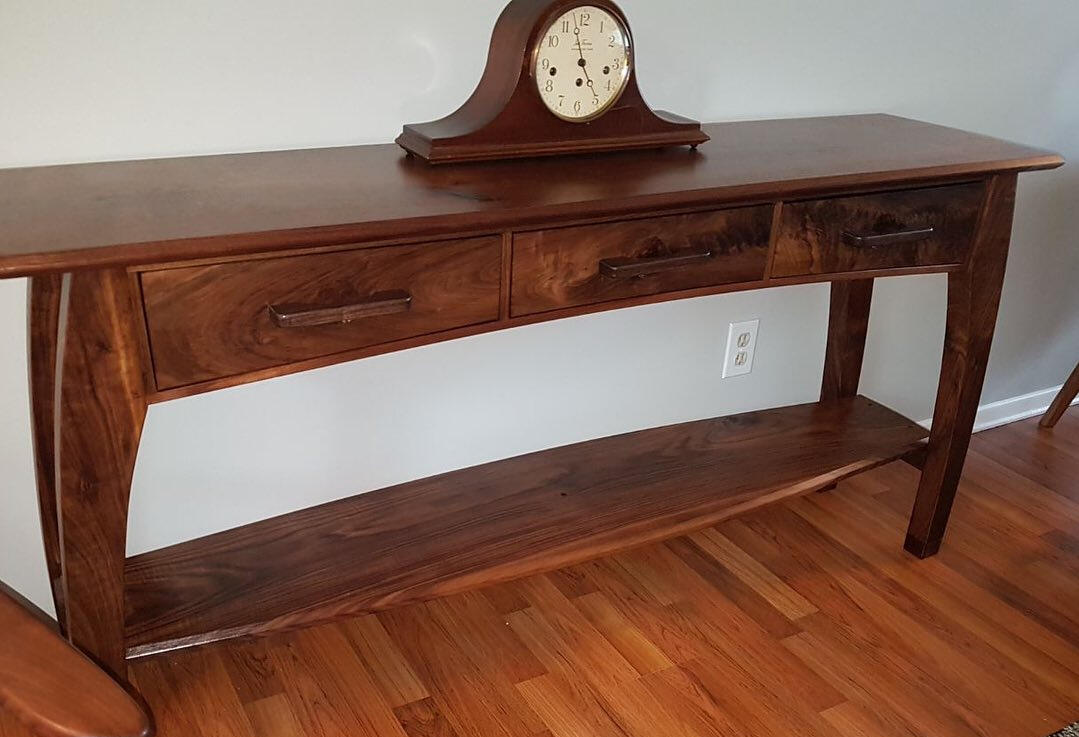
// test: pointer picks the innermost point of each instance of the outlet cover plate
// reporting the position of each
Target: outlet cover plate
(741, 348)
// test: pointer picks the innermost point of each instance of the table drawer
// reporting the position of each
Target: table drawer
(220, 320)
(567, 267)
(886, 230)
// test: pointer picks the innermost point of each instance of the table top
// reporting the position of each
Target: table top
(61, 218)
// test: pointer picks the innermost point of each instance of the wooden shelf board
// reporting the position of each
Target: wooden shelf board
(498, 521)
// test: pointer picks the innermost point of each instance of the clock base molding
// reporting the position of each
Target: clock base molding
(441, 151)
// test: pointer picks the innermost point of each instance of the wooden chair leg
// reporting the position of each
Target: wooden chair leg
(1067, 395)
(50, 689)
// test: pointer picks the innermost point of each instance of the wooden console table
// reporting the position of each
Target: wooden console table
(152, 280)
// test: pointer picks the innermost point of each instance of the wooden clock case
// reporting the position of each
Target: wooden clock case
(505, 117)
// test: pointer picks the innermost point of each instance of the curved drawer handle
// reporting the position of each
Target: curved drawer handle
(887, 239)
(625, 268)
(305, 316)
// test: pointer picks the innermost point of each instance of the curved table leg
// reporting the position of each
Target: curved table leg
(100, 412)
(44, 316)
(848, 324)
(973, 300)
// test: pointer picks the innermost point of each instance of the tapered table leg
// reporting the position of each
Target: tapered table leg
(100, 411)
(848, 323)
(973, 301)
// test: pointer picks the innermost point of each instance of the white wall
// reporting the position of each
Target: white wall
(110, 79)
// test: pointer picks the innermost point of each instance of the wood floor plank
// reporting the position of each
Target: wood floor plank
(423, 719)
(842, 664)
(392, 673)
(273, 717)
(991, 553)
(485, 637)
(337, 693)
(677, 637)
(696, 705)
(917, 630)
(989, 617)
(472, 701)
(735, 636)
(996, 478)
(805, 618)
(251, 670)
(637, 649)
(789, 602)
(568, 710)
(557, 633)
(851, 720)
(201, 700)
(737, 591)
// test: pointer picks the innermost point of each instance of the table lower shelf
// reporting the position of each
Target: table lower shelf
(498, 521)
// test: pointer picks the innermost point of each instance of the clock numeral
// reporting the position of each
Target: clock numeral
(545, 64)
(561, 99)
(615, 65)
(549, 87)
(577, 106)
(614, 40)
(608, 85)
(552, 42)
(595, 101)
(585, 17)
(601, 26)
(565, 26)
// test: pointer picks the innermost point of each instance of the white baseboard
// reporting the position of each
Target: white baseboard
(1011, 410)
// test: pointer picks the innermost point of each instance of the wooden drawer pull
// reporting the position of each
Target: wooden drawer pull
(304, 316)
(887, 239)
(626, 268)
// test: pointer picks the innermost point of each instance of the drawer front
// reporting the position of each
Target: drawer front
(207, 322)
(567, 267)
(888, 230)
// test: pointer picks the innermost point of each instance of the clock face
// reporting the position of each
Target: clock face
(583, 62)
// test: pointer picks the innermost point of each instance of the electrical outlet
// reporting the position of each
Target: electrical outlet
(741, 348)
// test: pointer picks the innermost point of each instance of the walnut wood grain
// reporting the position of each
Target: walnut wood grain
(207, 322)
(498, 521)
(564, 267)
(43, 317)
(973, 301)
(197, 214)
(918, 227)
(63, 217)
(1062, 401)
(101, 411)
(505, 117)
(514, 322)
(848, 326)
(52, 688)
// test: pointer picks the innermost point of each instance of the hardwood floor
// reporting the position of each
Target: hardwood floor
(806, 618)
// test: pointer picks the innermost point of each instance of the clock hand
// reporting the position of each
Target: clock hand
(582, 63)
(591, 86)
